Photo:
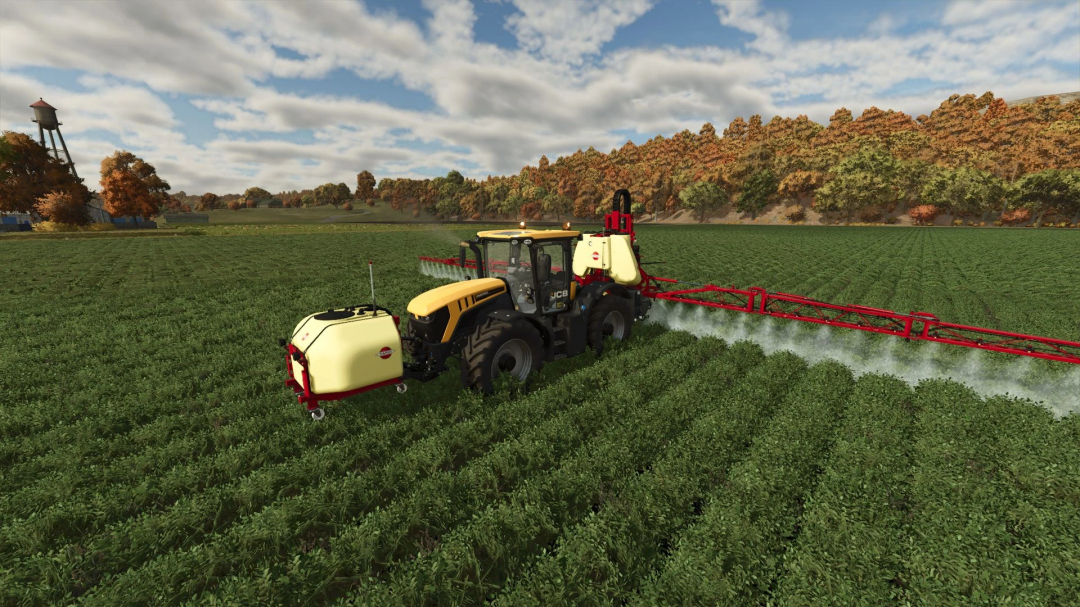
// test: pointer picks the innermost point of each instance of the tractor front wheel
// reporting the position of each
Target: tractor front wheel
(497, 348)
(612, 317)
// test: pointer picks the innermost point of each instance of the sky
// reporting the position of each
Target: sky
(284, 95)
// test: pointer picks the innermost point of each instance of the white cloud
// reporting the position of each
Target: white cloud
(496, 109)
(566, 30)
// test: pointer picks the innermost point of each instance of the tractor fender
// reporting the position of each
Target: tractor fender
(546, 333)
(592, 292)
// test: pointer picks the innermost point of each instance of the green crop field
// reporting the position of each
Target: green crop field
(150, 453)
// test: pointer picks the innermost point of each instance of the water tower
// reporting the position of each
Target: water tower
(45, 117)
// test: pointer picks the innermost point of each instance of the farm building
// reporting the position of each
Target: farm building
(133, 223)
(15, 222)
(270, 203)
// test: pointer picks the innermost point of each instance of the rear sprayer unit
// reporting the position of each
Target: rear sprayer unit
(542, 295)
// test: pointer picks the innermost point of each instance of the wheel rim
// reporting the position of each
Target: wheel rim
(614, 325)
(514, 358)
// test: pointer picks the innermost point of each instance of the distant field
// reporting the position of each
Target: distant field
(328, 214)
(150, 453)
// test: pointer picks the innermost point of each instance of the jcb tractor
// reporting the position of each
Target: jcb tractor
(527, 304)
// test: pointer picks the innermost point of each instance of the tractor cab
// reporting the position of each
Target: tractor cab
(536, 265)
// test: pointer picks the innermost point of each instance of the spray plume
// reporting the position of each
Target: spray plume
(988, 374)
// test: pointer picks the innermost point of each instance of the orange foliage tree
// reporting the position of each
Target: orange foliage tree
(62, 206)
(924, 214)
(131, 186)
(30, 173)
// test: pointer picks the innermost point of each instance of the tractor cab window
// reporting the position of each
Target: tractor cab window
(505, 259)
(553, 293)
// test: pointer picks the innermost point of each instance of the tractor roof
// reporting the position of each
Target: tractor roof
(527, 233)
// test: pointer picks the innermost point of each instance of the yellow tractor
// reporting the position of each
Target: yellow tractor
(537, 296)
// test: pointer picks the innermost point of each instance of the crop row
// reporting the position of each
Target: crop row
(732, 552)
(307, 514)
(384, 540)
(853, 526)
(275, 459)
(602, 558)
(475, 560)
(996, 504)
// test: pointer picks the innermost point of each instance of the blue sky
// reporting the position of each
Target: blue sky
(284, 95)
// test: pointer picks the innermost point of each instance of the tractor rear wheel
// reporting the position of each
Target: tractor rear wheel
(497, 348)
(612, 317)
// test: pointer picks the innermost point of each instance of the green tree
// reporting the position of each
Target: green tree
(447, 206)
(1052, 189)
(557, 204)
(965, 191)
(511, 205)
(863, 179)
(702, 197)
(256, 195)
(332, 194)
(637, 209)
(911, 177)
(757, 191)
(455, 178)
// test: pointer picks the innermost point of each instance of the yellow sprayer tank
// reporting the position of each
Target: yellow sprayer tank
(347, 349)
(613, 254)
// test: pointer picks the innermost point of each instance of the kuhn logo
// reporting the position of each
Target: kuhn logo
(595, 255)
(385, 353)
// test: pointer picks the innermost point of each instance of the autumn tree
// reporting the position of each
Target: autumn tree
(757, 192)
(863, 179)
(7, 155)
(208, 201)
(234, 205)
(62, 206)
(365, 186)
(131, 186)
(30, 173)
(702, 197)
(799, 184)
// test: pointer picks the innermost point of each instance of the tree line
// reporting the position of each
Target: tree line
(970, 157)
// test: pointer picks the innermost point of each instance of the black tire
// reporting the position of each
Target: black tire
(498, 347)
(612, 317)
(414, 347)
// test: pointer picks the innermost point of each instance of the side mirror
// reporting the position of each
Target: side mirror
(543, 267)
